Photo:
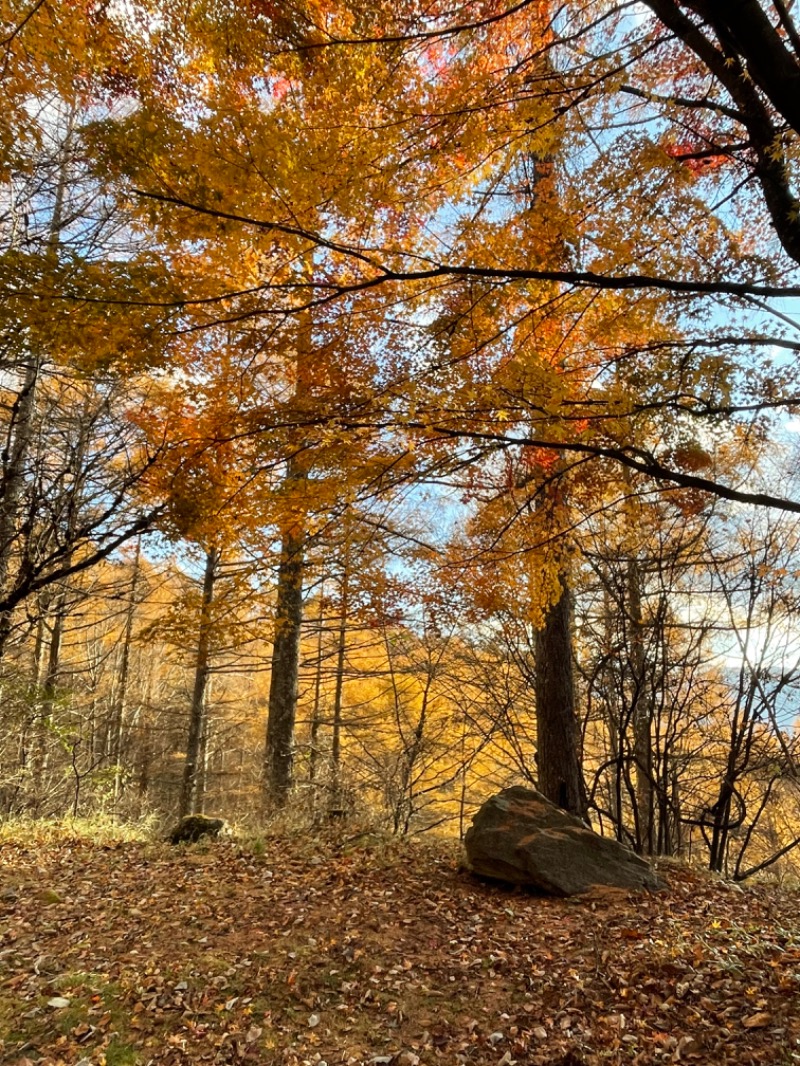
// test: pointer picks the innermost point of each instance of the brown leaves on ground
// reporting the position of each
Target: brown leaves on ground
(386, 955)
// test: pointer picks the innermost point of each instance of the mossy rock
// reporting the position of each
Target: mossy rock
(193, 827)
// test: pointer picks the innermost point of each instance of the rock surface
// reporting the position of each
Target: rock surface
(194, 826)
(522, 838)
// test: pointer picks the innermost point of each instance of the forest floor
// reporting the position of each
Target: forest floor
(378, 953)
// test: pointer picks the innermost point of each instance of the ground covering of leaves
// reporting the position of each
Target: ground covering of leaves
(387, 954)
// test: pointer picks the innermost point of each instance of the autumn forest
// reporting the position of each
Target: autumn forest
(398, 401)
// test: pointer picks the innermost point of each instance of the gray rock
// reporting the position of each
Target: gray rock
(522, 838)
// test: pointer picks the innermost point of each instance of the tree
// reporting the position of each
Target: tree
(189, 788)
(349, 248)
(523, 127)
(66, 499)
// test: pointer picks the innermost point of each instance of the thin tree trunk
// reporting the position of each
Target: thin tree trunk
(49, 694)
(676, 823)
(202, 661)
(316, 710)
(201, 786)
(613, 713)
(462, 799)
(335, 805)
(121, 701)
(21, 433)
(39, 740)
(641, 714)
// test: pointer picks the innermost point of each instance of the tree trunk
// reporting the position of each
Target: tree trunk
(316, 711)
(642, 715)
(335, 808)
(558, 756)
(282, 711)
(39, 739)
(202, 660)
(121, 700)
(279, 755)
(201, 780)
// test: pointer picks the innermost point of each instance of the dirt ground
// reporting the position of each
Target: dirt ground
(368, 952)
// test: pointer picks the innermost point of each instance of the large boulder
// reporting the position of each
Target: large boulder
(522, 838)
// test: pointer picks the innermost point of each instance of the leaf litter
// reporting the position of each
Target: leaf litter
(379, 955)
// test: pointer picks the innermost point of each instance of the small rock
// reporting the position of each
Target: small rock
(313, 1021)
(58, 1002)
(495, 1038)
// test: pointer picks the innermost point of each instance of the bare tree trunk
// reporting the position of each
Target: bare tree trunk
(191, 766)
(335, 803)
(612, 714)
(39, 738)
(279, 754)
(558, 757)
(641, 714)
(121, 701)
(201, 783)
(316, 710)
(462, 798)
(14, 457)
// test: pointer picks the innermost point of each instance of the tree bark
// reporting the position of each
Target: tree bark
(558, 756)
(282, 711)
(279, 754)
(121, 700)
(316, 711)
(335, 808)
(641, 714)
(191, 766)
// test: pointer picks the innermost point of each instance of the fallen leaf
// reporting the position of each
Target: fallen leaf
(758, 1021)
